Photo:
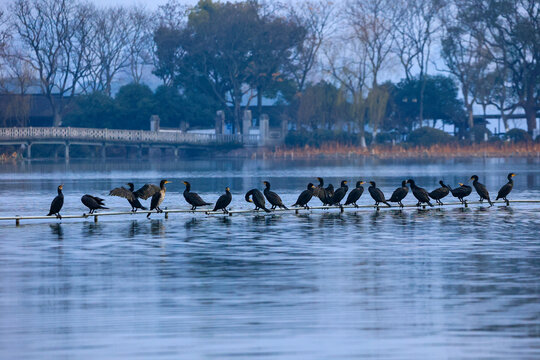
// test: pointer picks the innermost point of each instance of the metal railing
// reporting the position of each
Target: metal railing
(121, 136)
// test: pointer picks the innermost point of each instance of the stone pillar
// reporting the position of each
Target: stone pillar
(220, 122)
(29, 151)
(176, 152)
(66, 154)
(154, 123)
(139, 151)
(246, 122)
(103, 151)
(284, 129)
(264, 127)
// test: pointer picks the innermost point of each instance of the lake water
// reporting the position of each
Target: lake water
(444, 283)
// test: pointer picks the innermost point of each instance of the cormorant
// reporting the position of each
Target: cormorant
(355, 194)
(57, 203)
(223, 201)
(129, 195)
(377, 194)
(93, 203)
(506, 188)
(257, 198)
(439, 193)
(320, 191)
(461, 192)
(157, 197)
(339, 194)
(419, 193)
(193, 198)
(272, 197)
(305, 196)
(481, 190)
(399, 194)
(328, 193)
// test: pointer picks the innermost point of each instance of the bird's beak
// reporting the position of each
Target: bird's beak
(513, 175)
(249, 200)
(362, 182)
(471, 179)
(460, 184)
(185, 183)
(61, 186)
(168, 182)
(227, 188)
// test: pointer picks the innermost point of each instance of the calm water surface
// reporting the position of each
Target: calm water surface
(445, 283)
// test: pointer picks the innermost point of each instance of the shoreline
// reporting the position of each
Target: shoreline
(337, 151)
(505, 150)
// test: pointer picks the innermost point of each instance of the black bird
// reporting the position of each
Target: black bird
(193, 198)
(439, 193)
(93, 203)
(419, 193)
(399, 194)
(257, 198)
(461, 192)
(157, 197)
(320, 191)
(377, 194)
(57, 203)
(481, 190)
(339, 194)
(223, 201)
(129, 195)
(506, 188)
(328, 193)
(355, 194)
(272, 197)
(305, 196)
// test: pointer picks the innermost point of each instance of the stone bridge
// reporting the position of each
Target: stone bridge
(163, 139)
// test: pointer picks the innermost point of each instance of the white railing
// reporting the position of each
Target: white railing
(121, 136)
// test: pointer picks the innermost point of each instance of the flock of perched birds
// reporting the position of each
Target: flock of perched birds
(327, 195)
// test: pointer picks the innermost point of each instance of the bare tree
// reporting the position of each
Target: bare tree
(416, 27)
(317, 18)
(108, 51)
(140, 42)
(5, 32)
(462, 55)
(372, 23)
(348, 65)
(56, 34)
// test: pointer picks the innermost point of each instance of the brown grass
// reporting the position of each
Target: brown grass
(397, 151)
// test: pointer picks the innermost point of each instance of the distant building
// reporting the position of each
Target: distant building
(26, 110)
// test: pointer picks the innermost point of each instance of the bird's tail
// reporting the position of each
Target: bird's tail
(49, 214)
(206, 204)
(430, 204)
(386, 202)
(103, 207)
(284, 207)
(144, 208)
(265, 209)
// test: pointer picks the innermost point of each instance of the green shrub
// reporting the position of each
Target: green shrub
(427, 136)
(518, 135)
(479, 132)
(382, 138)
